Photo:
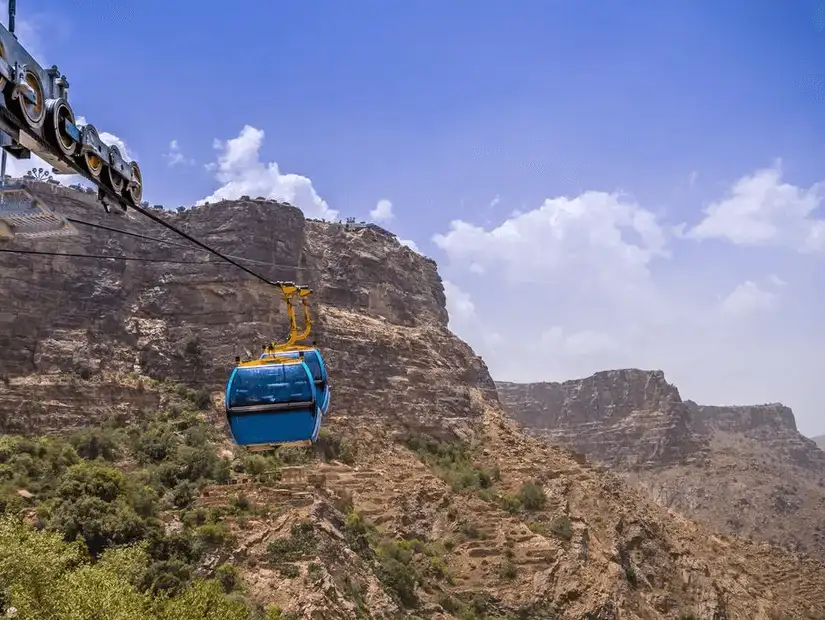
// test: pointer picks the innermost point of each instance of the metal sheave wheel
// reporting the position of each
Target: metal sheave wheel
(113, 179)
(59, 111)
(91, 161)
(135, 189)
(33, 113)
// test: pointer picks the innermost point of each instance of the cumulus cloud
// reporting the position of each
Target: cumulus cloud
(382, 211)
(596, 281)
(761, 209)
(410, 244)
(459, 304)
(241, 172)
(747, 298)
(175, 157)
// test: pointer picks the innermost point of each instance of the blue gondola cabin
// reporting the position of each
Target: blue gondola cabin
(315, 362)
(276, 403)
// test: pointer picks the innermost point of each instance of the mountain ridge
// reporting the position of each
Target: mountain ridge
(422, 498)
(741, 469)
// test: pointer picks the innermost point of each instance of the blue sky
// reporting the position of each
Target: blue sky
(628, 118)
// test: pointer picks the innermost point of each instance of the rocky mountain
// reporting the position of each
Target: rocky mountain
(423, 499)
(742, 470)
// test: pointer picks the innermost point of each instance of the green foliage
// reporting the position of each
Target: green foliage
(453, 462)
(45, 577)
(359, 534)
(334, 448)
(99, 495)
(562, 527)
(94, 443)
(398, 572)
(507, 570)
(288, 571)
(470, 530)
(78, 491)
(404, 564)
(532, 496)
(92, 502)
(300, 545)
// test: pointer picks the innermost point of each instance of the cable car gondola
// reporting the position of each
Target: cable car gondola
(312, 357)
(281, 397)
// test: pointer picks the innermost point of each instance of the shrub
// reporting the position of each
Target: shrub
(532, 496)
(301, 544)
(453, 462)
(562, 527)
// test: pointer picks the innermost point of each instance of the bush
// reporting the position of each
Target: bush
(93, 443)
(562, 527)
(93, 503)
(78, 493)
(453, 462)
(334, 448)
(398, 573)
(227, 576)
(300, 545)
(532, 496)
(359, 534)
(507, 570)
(45, 577)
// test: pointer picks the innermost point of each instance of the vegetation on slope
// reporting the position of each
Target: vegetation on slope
(103, 519)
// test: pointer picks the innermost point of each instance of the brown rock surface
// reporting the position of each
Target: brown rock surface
(743, 470)
(85, 337)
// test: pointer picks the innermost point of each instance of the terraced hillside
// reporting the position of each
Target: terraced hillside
(741, 470)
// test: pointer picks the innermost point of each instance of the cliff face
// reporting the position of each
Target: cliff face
(743, 469)
(497, 525)
(379, 311)
(628, 418)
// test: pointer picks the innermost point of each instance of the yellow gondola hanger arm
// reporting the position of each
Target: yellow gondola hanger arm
(304, 293)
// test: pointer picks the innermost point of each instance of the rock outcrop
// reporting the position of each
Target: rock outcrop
(493, 524)
(629, 418)
(379, 310)
(743, 469)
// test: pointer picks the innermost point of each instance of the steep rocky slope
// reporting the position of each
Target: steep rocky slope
(439, 507)
(743, 470)
(379, 312)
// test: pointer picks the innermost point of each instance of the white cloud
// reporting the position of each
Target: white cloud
(599, 281)
(410, 244)
(459, 304)
(747, 298)
(241, 172)
(761, 209)
(596, 242)
(382, 211)
(175, 156)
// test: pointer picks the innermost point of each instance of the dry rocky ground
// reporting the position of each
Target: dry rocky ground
(742, 470)
(440, 506)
